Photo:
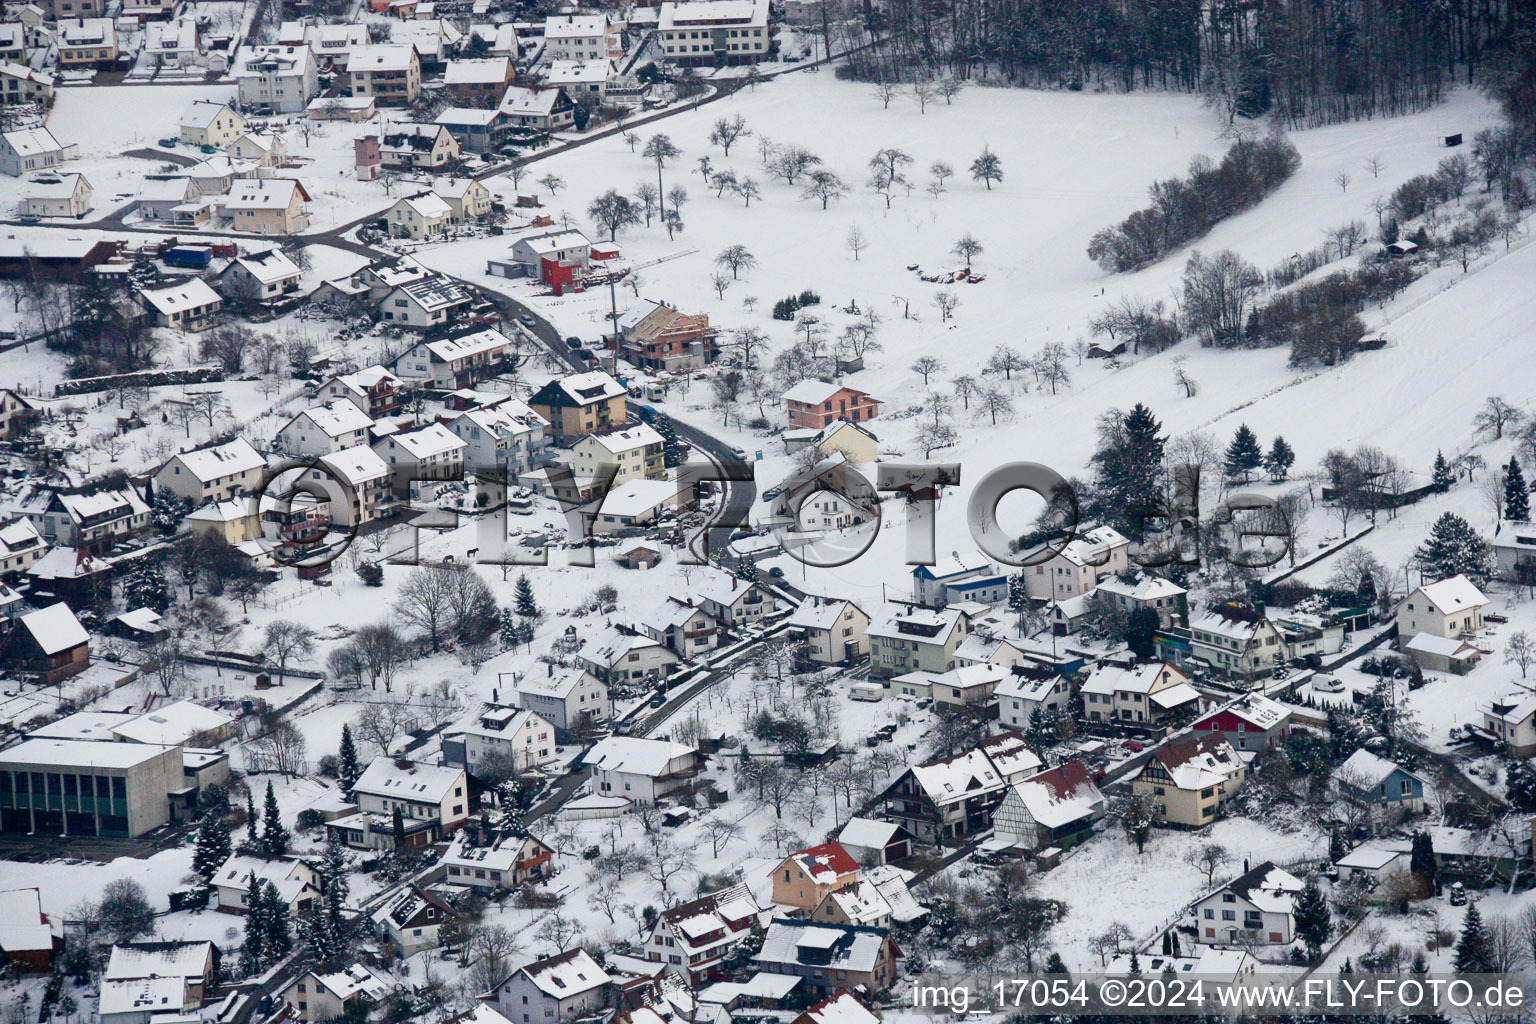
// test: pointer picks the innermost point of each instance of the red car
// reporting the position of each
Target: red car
(1134, 746)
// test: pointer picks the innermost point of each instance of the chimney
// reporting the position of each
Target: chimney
(551, 670)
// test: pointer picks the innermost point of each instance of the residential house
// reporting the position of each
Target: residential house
(21, 545)
(817, 404)
(420, 216)
(1145, 694)
(630, 659)
(478, 82)
(324, 429)
(431, 301)
(194, 964)
(506, 439)
(172, 44)
(581, 37)
(580, 78)
(268, 206)
(411, 919)
(32, 149)
(262, 147)
(878, 899)
(453, 363)
(56, 195)
(296, 881)
(1252, 722)
(466, 198)
(277, 79)
(27, 945)
(854, 442)
(501, 733)
(409, 146)
(432, 453)
(1078, 567)
(1234, 642)
(962, 686)
(391, 74)
(685, 630)
(917, 639)
(500, 40)
(643, 770)
(562, 987)
(655, 336)
(86, 41)
(13, 42)
(872, 842)
(571, 699)
(333, 996)
(1449, 608)
(261, 277)
(960, 577)
(490, 862)
(1053, 809)
(48, 645)
(693, 939)
(211, 123)
(373, 389)
(715, 33)
(146, 10)
(805, 878)
(356, 482)
(581, 404)
(21, 84)
(829, 957)
(422, 792)
(1027, 697)
(1511, 720)
(217, 473)
(1514, 552)
(538, 109)
(92, 524)
(332, 44)
(619, 454)
(189, 305)
(559, 259)
(1370, 864)
(735, 603)
(1256, 908)
(637, 503)
(1146, 592)
(476, 130)
(15, 413)
(838, 1008)
(836, 630)
(1385, 788)
(947, 799)
(1438, 654)
(1190, 778)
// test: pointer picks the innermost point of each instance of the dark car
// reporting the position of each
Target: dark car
(573, 342)
(659, 700)
(776, 572)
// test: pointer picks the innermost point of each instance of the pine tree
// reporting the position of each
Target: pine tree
(1517, 496)
(1453, 548)
(143, 273)
(1520, 783)
(397, 830)
(274, 837)
(1336, 849)
(145, 586)
(1312, 919)
(277, 941)
(1442, 478)
(1472, 956)
(252, 822)
(1129, 468)
(523, 598)
(347, 766)
(1244, 454)
(1018, 592)
(509, 624)
(1054, 964)
(746, 569)
(671, 448)
(212, 847)
(253, 955)
(1421, 861)
(1134, 969)
(1279, 460)
(334, 879)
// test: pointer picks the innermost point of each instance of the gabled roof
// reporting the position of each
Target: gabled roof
(1198, 760)
(158, 960)
(1061, 795)
(208, 464)
(1267, 887)
(837, 947)
(269, 267)
(566, 974)
(819, 612)
(55, 629)
(634, 755)
(1143, 679)
(579, 389)
(954, 778)
(180, 297)
(1368, 769)
(357, 465)
(1145, 587)
(1257, 710)
(624, 439)
(264, 194)
(468, 345)
(826, 863)
(337, 418)
(1454, 594)
(522, 101)
(477, 71)
(381, 57)
(815, 392)
(434, 439)
(840, 1008)
(31, 141)
(408, 780)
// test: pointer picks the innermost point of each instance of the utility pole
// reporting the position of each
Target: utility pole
(613, 322)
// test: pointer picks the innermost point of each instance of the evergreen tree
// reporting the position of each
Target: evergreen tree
(253, 954)
(1418, 966)
(509, 624)
(1128, 470)
(145, 586)
(347, 766)
(277, 941)
(212, 847)
(1312, 919)
(167, 512)
(1472, 955)
(1279, 460)
(1018, 592)
(525, 633)
(1454, 548)
(1134, 969)
(397, 830)
(252, 822)
(1054, 964)
(1140, 632)
(1039, 730)
(671, 447)
(746, 569)
(1441, 479)
(1335, 846)
(143, 273)
(1517, 496)
(334, 878)
(522, 596)
(1520, 782)
(1421, 861)
(274, 837)
(1244, 454)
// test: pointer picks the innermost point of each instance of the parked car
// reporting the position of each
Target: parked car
(1134, 746)
(527, 320)
(573, 342)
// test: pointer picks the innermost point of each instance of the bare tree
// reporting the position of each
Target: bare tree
(967, 248)
(885, 92)
(279, 748)
(425, 602)
(1520, 650)
(1182, 378)
(1208, 858)
(922, 91)
(1376, 165)
(945, 302)
(926, 366)
(996, 403)
(727, 130)
(381, 722)
(720, 830)
(1496, 416)
(1342, 179)
(286, 640)
(856, 242)
(736, 258)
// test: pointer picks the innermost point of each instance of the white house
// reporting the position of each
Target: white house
(1511, 720)
(642, 770)
(685, 630)
(1132, 693)
(1099, 553)
(413, 147)
(836, 629)
(581, 37)
(523, 738)
(630, 452)
(430, 453)
(487, 863)
(326, 997)
(260, 276)
(466, 198)
(373, 389)
(356, 482)
(1258, 907)
(422, 792)
(173, 44)
(411, 919)
(189, 305)
(1153, 593)
(570, 699)
(692, 938)
(1054, 808)
(560, 987)
(1446, 608)
(716, 33)
(216, 473)
(616, 657)
(32, 149)
(324, 429)
(430, 301)
(56, 195)
(277, 79)
(295, 880)
(420, 216)
(507, 437)
(452, 363)
(735, 603)
(1023, 692)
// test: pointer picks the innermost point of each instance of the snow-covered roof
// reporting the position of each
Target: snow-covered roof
(501, 854)
(357, 465)
(842, 1007)
(568, 26)
(637, 496)
(270, 267)
(141, 619)
(1257, 710)
(566, 974)
(712, 12)
(826, 863)
(409, 780)
(624, 439)
(510, 418)
(158, 960)
(143, 996)
(815, 392)
(1454, 594)
(1196, 761)
(1143, 679)
(1363, 768)
(468, 116)
(266, 58)
(609, 646)
(957, 564)
(22, 928)
(172, 724)
(1175, 696)
(26, 142)
(1369, 857)
(20, 535)
(956, 778)
(433, 439)
(180, 297)
(55, 628)
(264, 194)
(80, 753)
(920, 625)
(477, 71)
(469, 345)
(1060, 795)
(521, 100)
(868, 833)
(634, 755)
(54, 186)
(354, 980)
(1010, 755)
(83, 725)
(1445, 647)
(208, 464)
(337, 418)
(837, 947)
(1092, 546)
(381, 57)
(433, 292)
(819, 612)
(578, 72)
(1145, 587)
(224, 511)
(1267, 887)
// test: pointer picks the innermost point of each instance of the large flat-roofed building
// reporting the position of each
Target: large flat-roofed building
(88, 788)
(717, 33)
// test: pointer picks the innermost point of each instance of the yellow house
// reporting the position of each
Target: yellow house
(267, 206)
(805, 878)
(234, 521)
(581, 404)
(207, 123)
(856, 443)
(1189, 779)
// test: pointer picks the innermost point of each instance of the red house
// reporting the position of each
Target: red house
(816, 404)
(26, 940)
(1252, 722)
